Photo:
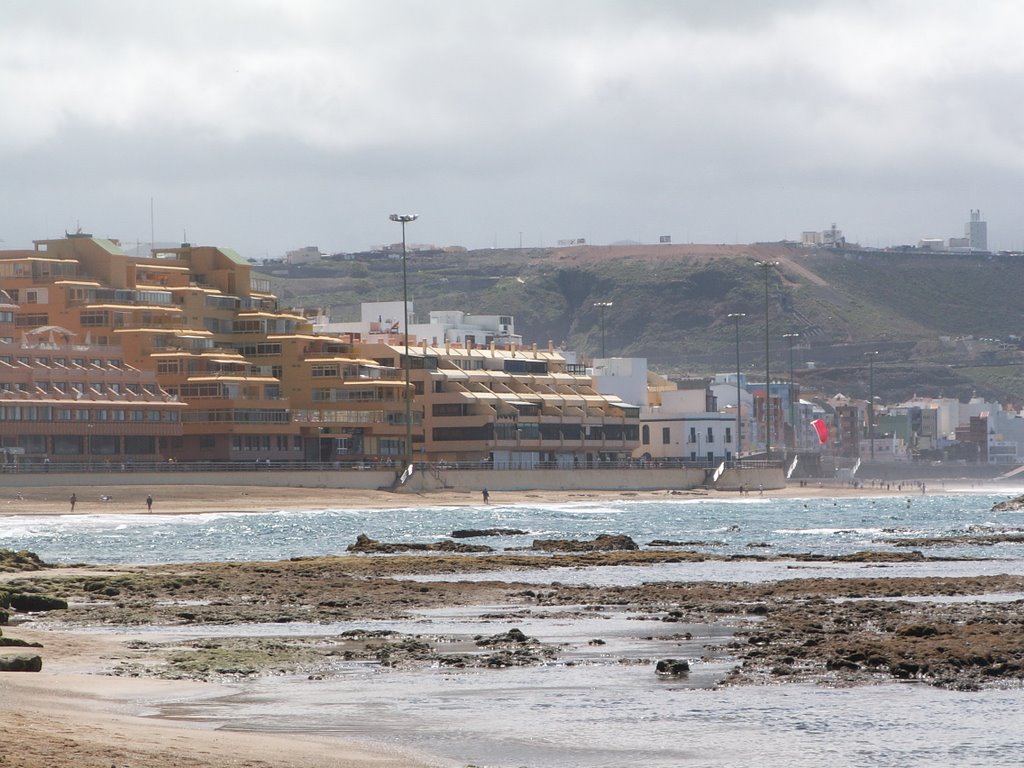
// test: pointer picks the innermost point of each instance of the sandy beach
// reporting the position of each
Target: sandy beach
(192, 499)
(106, 720)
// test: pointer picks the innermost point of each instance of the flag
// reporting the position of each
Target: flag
(822, 429)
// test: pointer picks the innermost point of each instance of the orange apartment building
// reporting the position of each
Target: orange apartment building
(62, 402)
(251, 381)
(510, 407)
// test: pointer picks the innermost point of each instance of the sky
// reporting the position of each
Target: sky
(267, 125)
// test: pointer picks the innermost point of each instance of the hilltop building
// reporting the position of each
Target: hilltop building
(380, 319)
(976, 232)
(975, 238)
(306, 255)
(828, 238)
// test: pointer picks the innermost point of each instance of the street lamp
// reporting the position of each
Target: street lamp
(403, 219)
(767, 369)
(791, 338)
(602, 306)
(871, 401)
(737, 316)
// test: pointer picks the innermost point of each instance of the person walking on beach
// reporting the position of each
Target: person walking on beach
(487, 496)
(73, 499)
(149, 503)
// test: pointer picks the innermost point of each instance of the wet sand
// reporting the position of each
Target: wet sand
(790, 630)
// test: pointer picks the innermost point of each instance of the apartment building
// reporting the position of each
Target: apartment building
(246, 379)
(344, 406)
(63, 401)
(509, 407)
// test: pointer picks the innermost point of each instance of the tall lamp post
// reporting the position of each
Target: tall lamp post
(791, 338)
(403, 219)
(601, 307)
(767, 368)
(871, 402)
(737, 316)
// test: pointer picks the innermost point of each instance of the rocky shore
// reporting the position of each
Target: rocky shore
(827, 630)
(954, 633)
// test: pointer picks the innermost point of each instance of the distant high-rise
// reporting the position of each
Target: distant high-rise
(976, 231)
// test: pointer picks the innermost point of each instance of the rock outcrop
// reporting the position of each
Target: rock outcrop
(365, 544)
(1010, 505)
(467, 533)
(21, 663)
(22, 560)
(27, 602)
(603, 543)
(672, 667)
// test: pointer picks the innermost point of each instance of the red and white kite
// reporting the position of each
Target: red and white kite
(822, 429)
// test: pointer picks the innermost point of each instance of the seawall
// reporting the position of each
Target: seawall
(422, 480)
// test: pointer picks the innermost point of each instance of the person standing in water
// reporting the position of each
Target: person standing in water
(73, 499)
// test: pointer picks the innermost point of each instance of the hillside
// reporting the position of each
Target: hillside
(933, 318)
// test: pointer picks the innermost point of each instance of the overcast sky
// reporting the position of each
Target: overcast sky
(267, 125)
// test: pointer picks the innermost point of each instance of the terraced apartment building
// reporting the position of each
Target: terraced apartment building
(250, 381)
(511, 407)
(62, 401)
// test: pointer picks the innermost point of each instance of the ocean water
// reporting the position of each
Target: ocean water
(588, 710)
(751, 525)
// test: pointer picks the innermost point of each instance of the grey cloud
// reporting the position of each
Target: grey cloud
(263, 125)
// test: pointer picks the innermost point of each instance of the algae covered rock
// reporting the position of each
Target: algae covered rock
(30, 603)
(21, 663)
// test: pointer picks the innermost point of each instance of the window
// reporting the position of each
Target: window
(139, 445)
(104, 445)
(693, 435)
(666, 435)
(711, 434)
(94, 318)
(448, 409)
(68, 445)
(647, 434)
(728, 435)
